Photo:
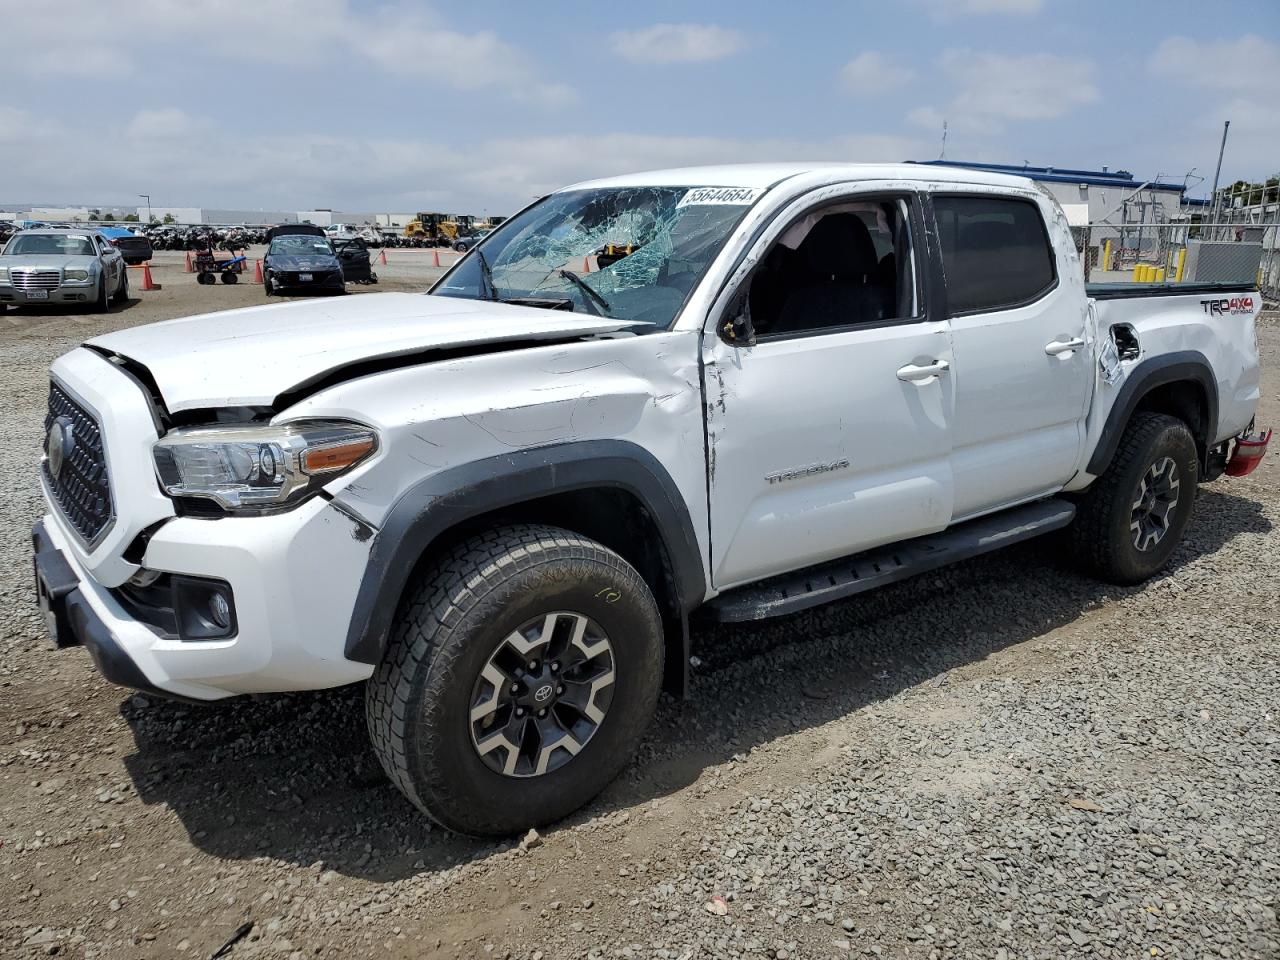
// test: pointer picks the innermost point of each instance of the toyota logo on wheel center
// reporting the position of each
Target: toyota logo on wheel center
(543, 693)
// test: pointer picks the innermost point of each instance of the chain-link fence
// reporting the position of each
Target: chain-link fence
(1183, 252)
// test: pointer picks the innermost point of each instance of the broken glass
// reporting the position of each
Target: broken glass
(639, 251)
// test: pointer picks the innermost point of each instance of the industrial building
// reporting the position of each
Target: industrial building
(1097, 196)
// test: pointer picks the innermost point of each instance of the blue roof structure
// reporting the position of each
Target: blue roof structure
(1122, 179)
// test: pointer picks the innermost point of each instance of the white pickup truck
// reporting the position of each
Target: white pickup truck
(732, 392)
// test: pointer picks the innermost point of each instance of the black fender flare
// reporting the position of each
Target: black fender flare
(1189, 365)
(438, 503)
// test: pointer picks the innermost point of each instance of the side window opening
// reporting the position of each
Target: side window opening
(840, 266)
(995, 252)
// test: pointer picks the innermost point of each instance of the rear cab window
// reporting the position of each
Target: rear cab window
(996, 253)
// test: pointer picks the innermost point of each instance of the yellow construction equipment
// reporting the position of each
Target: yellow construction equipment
(436, 228)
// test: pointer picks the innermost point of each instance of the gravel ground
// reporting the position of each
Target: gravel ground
(1002, 760)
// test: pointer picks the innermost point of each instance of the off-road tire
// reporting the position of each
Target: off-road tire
(1101, 537)
(452, 618)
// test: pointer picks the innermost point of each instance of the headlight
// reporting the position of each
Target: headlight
(4, 274)
(76, 274)
(248, 467)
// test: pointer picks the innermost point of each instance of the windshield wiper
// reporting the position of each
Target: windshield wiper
(487, 273)
(586, 288)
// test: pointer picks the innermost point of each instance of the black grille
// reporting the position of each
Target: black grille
(82, 487)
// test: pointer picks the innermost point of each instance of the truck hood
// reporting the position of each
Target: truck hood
(249, 357)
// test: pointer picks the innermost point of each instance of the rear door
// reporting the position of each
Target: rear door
(830, 434)
(1018, 319)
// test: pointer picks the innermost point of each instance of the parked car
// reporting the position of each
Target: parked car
(340, 231)
(62, 266)
(300, 259)
(500, 504)
(354, 257)
(463, 244)
(7, 229)
(134, 248)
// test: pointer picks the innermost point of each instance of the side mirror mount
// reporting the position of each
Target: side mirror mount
(736, 328)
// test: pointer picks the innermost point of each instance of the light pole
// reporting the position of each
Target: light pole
(1213, 208)
(147, 197)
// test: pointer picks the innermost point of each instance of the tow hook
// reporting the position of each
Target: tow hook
(1249, 450)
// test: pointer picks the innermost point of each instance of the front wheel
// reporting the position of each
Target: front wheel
(103, 299)
(267, 288)
(122, 294)
(1133, 517)
(523, 668)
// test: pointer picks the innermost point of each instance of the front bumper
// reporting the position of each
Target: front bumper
(294, 578)
(80, 293)
(72, 620)
(331, 280)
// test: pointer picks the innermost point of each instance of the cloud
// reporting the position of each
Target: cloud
(1246, 63)
(214, 167)
(959, 9)
(405, 39)
(1223, 80)
(169, 122)
(872, 73)
(994, 89)
(678, 43)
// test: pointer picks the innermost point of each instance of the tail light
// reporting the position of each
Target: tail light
(1248, 453)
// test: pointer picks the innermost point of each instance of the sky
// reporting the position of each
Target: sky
(400, 106)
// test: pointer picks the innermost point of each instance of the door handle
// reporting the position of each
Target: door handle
(912, 373)
(1058, 347)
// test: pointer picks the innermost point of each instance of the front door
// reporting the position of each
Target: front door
(830, 434)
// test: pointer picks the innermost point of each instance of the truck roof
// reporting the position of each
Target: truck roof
(763, 175)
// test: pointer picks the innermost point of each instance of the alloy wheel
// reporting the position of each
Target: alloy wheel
(1153, 508)
(542, 695)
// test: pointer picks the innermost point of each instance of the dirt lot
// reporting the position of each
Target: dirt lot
(1001, 760)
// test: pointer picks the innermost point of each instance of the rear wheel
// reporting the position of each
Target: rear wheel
(1132, 519)
(229, 276)
(522, 671)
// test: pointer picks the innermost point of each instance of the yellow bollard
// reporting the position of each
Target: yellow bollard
(1106, 254)
(1159, 275)
(1182, 263)
(1137, 273)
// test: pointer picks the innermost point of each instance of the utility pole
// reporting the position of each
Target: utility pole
(1213, 208)
(943, 154)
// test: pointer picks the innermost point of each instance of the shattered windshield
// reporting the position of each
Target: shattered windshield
(628, 253)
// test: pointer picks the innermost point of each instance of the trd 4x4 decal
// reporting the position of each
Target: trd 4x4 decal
(1219, 308)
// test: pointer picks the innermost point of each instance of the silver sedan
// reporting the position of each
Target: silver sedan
(62, 266)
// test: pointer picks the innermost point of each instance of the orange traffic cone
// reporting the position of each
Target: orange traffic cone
(257, 271)
(382, 257)
(435, 258)
(190, 268)
(147, 282)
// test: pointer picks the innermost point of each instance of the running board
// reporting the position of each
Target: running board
(861, 572)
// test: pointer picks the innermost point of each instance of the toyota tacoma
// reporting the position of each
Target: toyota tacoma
(500, 504)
